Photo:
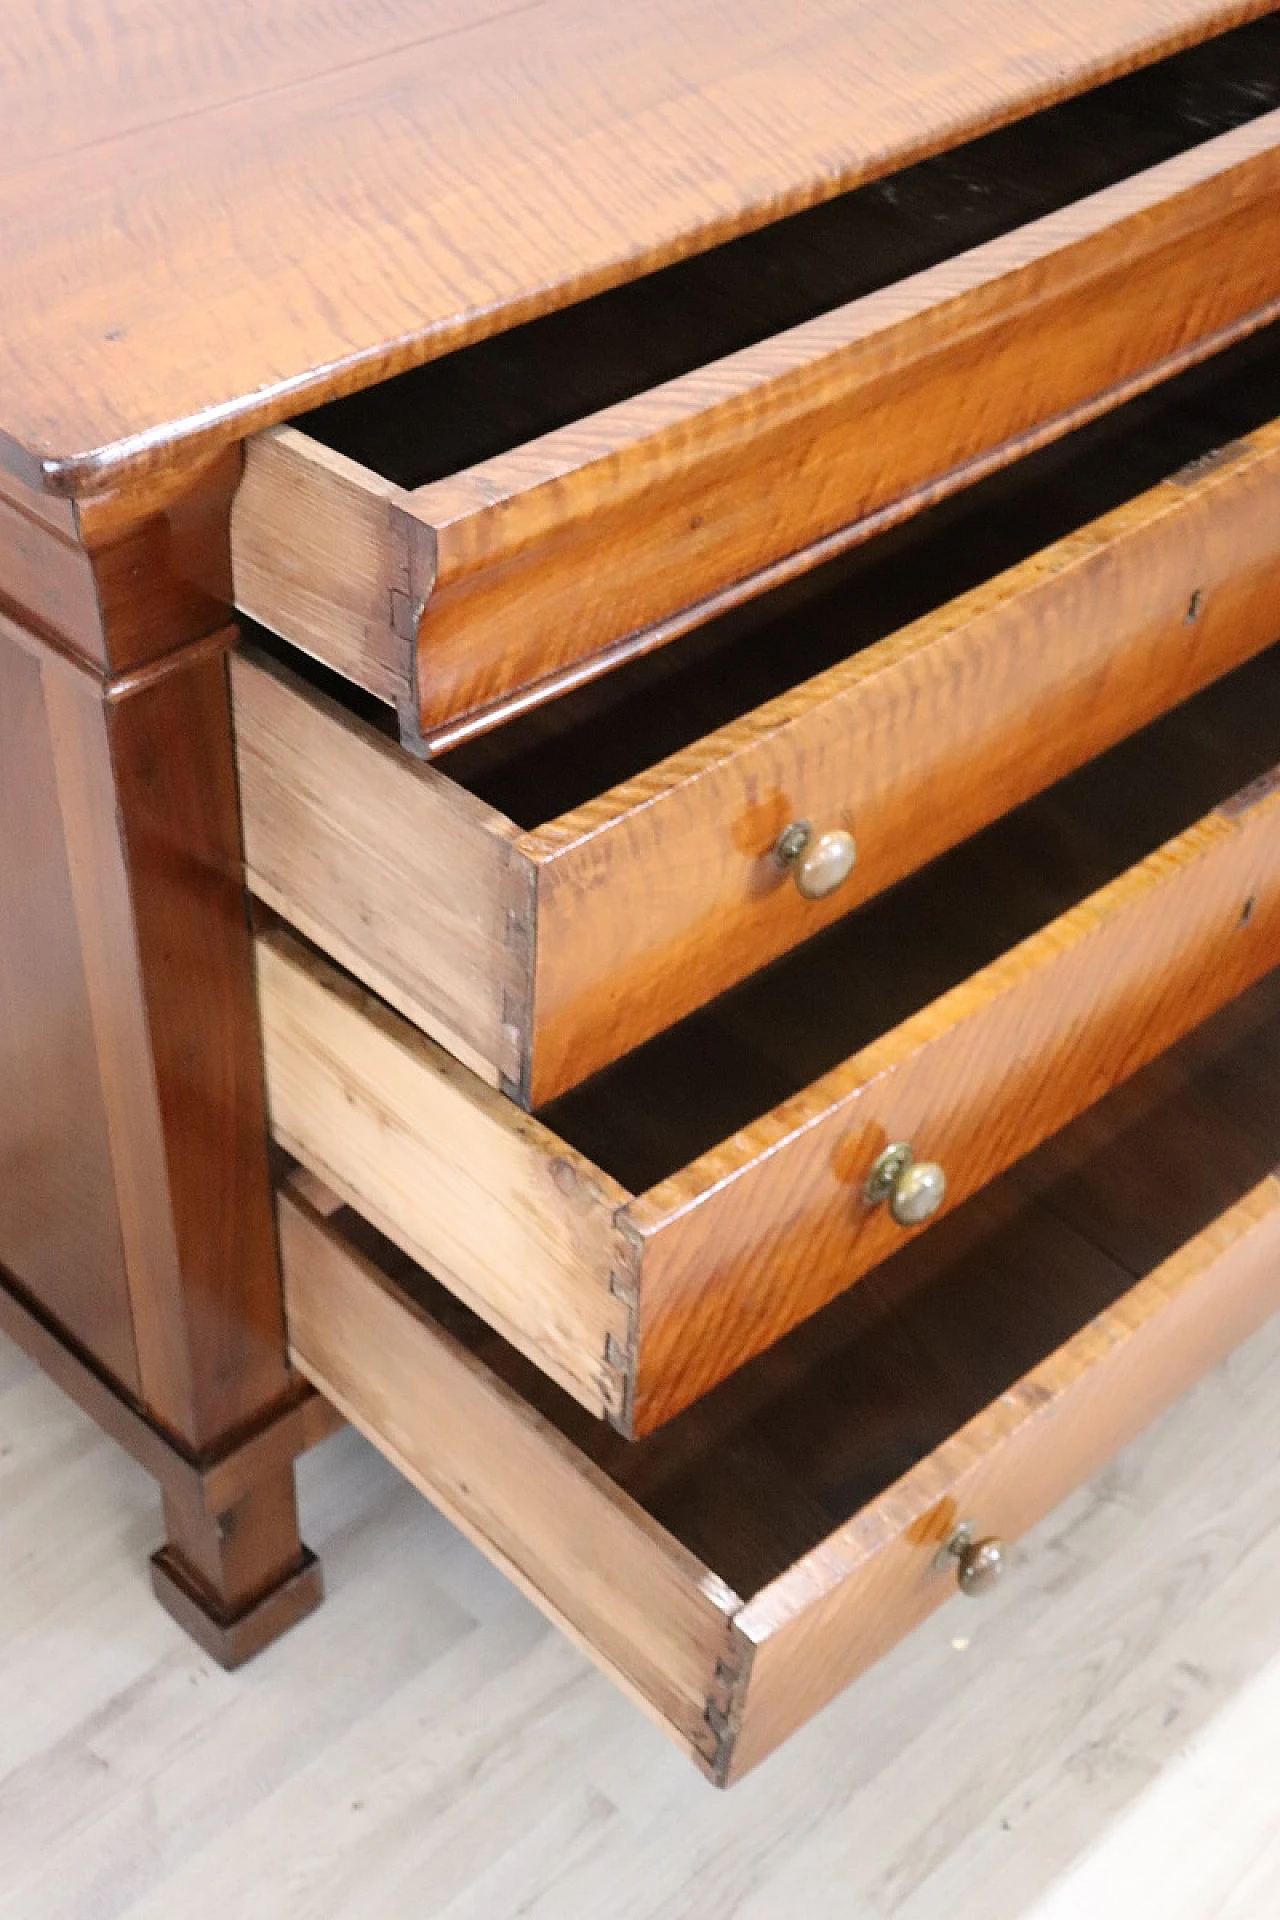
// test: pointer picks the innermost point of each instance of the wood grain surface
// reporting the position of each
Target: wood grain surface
(609, 527)
(46, 576)
(136, 1233)
(916, 740)
(979, 1377)
(154, 849)
(732, 1249)
(123, 578)
(59, 1225)
(267, 171)
(521, 1225)
(323, 551)
(637, 1601)
(539, 558)
(720, 1258)
(552, 757)
(844, 1606)
(911, 744)
(480, 402)
(387, 865)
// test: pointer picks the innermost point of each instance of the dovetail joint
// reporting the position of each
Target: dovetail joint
(413, 576)
(722, 1714)
(519, 931)
(617, 1379)
(512, 1063)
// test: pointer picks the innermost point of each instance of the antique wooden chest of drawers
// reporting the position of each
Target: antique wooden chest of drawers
(640, 757)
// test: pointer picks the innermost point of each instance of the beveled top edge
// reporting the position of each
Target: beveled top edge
(174, 285)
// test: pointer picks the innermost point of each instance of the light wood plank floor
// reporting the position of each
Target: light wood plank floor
(1101, 1738)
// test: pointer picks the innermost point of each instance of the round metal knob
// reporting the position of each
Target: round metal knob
(979, 1563)
(915, 1189)
(817, 862)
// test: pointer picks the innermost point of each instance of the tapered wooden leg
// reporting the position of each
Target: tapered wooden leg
(234, 1572)
(236, 1579)
(137, 1239)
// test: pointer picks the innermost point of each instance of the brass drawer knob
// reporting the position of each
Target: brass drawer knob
(817, 862)
(915, 1189)
(979, 1563)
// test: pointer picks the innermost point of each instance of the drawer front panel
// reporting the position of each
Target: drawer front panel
(605, 538)
(841, 1609)
(750, 1239)
(620, 522)
(912, 745)
(530, 957)
(640, 1305)
(730, 1680)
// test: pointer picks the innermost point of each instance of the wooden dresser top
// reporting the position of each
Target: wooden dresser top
(212, 216)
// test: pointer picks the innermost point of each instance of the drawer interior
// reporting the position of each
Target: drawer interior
(560, 755)
(488, 398)
(765, 1466)
(668, 1219)
(701, 1081)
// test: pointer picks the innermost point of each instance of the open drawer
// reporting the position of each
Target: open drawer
(740, 1568)
(532, 508)
(545, 899)
(683, 1210)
